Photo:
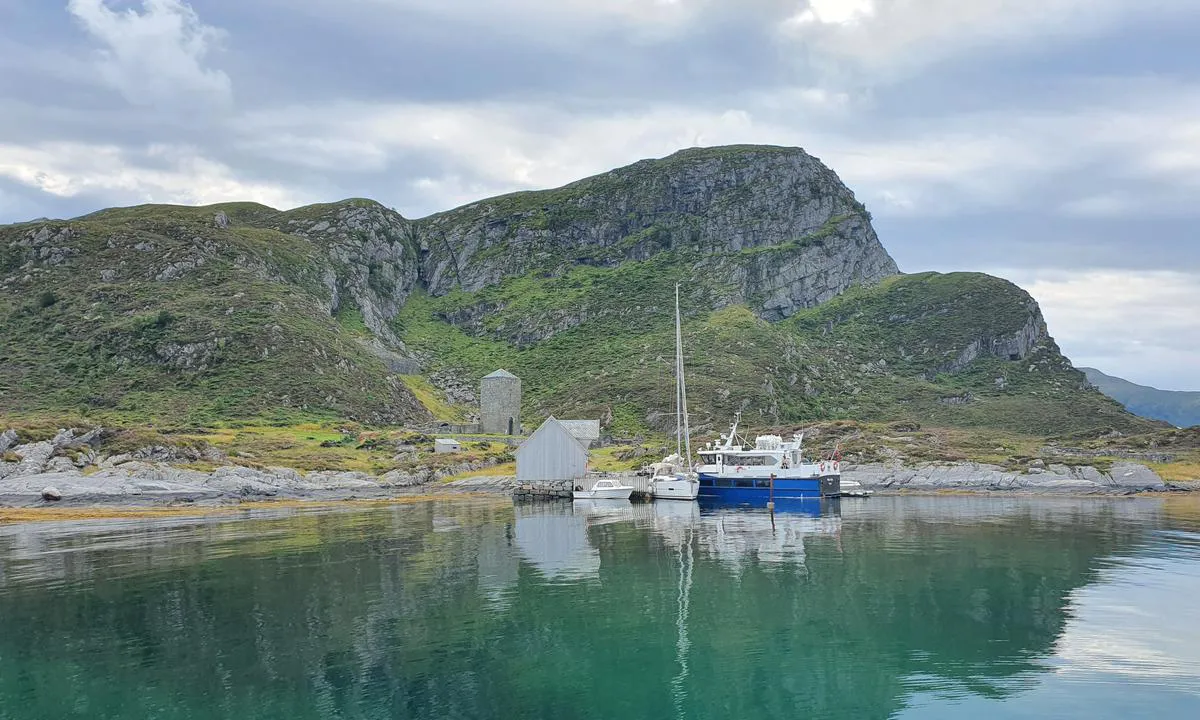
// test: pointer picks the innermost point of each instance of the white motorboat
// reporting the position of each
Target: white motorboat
(684, 486)
(605, 489)
(670, 480)
(854, 489)
(673, 478)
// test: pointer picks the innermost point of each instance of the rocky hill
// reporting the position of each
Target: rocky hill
(1181, 409)
(794, 311)
(199, 314)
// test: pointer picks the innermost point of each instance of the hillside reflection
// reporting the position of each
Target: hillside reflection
(485, 609)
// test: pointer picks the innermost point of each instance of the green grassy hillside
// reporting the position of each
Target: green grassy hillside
(194, 317)
(156, 314)
(882, 353)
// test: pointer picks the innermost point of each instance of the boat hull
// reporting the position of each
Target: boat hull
(603, 494)
(758, 490)
(666, 488)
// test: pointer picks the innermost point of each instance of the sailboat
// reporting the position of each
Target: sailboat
(673, 478)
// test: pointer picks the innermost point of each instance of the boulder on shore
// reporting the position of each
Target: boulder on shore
(8, 439)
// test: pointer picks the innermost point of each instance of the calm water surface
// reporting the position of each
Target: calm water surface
(892, 607)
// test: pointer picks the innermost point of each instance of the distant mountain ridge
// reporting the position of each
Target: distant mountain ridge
(1178, 407)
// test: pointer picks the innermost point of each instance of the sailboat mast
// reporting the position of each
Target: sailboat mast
(678, 389)
(681, 384)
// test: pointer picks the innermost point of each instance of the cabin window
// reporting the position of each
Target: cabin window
(724, 482)
(706, 482)
(751, 460)
(744, 482)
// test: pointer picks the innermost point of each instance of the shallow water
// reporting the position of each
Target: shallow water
(892, 607)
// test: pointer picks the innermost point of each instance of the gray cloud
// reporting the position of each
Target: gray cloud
(1030, 135)
(1140, 325)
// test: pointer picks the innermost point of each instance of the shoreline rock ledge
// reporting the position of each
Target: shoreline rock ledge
(1122, 479)
(68, 470)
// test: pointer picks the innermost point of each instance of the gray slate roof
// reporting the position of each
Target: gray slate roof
(501, 373)
(583, 429)
(548, 427)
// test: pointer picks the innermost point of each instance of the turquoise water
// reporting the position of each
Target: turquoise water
(893, 607)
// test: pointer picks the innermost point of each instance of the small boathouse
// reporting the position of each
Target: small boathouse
(551, 459)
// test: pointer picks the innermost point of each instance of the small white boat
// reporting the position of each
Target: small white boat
(853, 488)
(605, 489)
(682, 486)
(671, 481)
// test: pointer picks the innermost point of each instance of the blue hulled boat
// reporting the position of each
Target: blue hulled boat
(734, 473)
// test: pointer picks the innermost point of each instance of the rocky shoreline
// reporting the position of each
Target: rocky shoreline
(67, 471)
(1124, 478)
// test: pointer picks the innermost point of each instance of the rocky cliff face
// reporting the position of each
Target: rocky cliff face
(372, 260)
(774, 224)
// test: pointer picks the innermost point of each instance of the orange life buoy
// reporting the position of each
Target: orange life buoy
(837, 466)
(822, 467)
(739, 468)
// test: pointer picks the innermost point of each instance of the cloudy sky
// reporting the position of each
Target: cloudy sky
(1053, 142)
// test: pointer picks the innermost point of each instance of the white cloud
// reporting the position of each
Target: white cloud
(514, 146)
(497, 146)
(156, 56)
(157, 174)
(833, 12)
(949, 165)
(1141, 326)
(571, 20)
(1104, 205)
(890, 38)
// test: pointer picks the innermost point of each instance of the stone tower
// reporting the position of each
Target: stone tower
(500, 403)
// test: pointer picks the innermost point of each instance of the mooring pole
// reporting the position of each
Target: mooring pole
(771, 501)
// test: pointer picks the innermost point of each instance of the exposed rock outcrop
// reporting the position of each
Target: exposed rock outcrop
(373, 260)
(1016, 345)
(1123, 478)
(775, 223)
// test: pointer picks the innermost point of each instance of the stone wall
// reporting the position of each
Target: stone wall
(552, 490)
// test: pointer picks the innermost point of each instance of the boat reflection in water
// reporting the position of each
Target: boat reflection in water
(737, 535)
(731, 534)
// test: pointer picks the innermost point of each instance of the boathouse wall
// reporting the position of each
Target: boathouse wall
(551, 454)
